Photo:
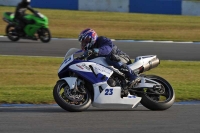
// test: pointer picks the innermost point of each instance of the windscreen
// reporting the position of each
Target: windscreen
(77, 52)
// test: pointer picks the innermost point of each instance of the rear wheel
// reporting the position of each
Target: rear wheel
(44, 35)
(12, 33)
(70, 99)
(161, 101)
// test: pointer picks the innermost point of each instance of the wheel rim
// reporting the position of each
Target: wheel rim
(44, 35)
(161, 98)
(11, 33)
(70, 96)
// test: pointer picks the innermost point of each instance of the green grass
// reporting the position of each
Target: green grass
(31, 79)
(27, 79)
(68, 24)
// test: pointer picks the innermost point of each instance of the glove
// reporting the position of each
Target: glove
(88, 53)
(96, 51)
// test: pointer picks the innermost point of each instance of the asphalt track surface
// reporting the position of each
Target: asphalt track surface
(53, 119)
(180, 118)
(58, 47)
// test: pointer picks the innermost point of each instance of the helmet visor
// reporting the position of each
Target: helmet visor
(85, 43)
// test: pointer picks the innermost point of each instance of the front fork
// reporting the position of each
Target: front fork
(75, 84)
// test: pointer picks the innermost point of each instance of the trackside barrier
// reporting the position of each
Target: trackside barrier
(191, 8)
(174, 7)
(156, 6)
(9, 2)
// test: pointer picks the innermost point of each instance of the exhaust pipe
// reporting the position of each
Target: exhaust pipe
(144, 63)
(151, 64)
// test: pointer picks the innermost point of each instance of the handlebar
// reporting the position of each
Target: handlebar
(84, 55)
(80, 57)
(38, 14)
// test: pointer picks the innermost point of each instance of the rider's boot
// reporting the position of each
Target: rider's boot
(133, 78)
(22, 26)
(20, 30)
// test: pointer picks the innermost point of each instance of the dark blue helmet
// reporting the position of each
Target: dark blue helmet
(87, 38)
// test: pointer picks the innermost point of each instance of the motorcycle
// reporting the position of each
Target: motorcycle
(93, 82)
(36, 29)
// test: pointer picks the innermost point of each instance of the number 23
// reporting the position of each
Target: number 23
(108, 91)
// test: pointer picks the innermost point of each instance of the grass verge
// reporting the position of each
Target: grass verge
(31, 79)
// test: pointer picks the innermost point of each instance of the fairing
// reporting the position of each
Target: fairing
(97, 72)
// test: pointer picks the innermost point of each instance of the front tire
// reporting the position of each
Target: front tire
(158, 102)
(44, 35)
(70, 100)
(11, 33)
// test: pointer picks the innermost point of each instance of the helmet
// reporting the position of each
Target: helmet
(87, 38)
(26, 2)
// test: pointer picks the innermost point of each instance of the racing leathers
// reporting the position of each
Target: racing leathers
(19, 15)
(115, 57)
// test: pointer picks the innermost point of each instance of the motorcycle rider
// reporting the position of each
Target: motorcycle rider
(20, 12)
(103, 47)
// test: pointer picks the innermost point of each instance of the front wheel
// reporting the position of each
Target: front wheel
(12, 33)
(44, 35)
(70, 99)
(158, 101)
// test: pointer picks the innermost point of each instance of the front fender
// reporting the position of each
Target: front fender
(71, 81)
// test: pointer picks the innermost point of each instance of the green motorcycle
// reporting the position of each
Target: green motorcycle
(37, 29)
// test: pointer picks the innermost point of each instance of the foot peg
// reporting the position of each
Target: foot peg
(134, 82)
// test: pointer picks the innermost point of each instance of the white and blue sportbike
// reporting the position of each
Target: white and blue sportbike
(93, 82)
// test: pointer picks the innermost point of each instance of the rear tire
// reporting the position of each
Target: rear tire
(67, 102)
(11, 33)
(152, 101)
